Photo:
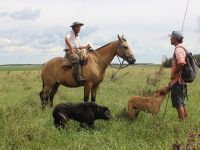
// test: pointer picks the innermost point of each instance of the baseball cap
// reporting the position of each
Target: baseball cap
(177, 34)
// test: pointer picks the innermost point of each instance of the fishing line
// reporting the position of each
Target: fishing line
(185, 15)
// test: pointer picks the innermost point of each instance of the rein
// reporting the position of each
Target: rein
(95, 51)
(119, 68)
(166, 106)
(122, 66)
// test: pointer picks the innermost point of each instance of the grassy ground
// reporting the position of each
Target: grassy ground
(24, 125)
(19, 67)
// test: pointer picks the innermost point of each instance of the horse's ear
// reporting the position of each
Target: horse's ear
(118, 37)
(122, 36)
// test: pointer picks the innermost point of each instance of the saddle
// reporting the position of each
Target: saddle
(83, 59)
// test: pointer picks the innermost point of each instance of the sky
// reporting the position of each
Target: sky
(33, 31)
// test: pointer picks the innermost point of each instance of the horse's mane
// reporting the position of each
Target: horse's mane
(103, 46)
(108, 44)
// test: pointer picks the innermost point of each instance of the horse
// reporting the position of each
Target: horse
(53, 74)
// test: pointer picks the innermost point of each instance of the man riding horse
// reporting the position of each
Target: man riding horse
(73, 47)
(53, 75)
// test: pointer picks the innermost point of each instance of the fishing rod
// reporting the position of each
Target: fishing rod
(185, 15)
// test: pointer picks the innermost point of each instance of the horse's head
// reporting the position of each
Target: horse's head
(124, 51)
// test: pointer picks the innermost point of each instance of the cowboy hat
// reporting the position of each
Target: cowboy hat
(76, 23)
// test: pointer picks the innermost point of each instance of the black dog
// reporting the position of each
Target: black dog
(86, 113)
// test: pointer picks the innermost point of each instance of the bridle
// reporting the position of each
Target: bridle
(121, 64)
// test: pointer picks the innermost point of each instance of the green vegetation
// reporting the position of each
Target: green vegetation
(167, 62)
(20, 67)
(197, 57)
(24, 125)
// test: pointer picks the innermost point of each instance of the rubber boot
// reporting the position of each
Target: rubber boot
(76, 72)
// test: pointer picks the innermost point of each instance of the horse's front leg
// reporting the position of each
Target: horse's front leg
(87, 89)
(94, 92)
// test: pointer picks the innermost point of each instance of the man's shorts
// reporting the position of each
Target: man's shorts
(178, 95)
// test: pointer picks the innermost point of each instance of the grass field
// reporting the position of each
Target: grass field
(24, 125)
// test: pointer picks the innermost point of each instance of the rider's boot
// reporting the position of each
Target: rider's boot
(76, 72)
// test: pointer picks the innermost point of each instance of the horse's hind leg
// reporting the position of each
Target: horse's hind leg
(44, 94)
(52, 93)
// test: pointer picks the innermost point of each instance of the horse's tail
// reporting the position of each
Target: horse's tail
(42, 81)
(42, 76)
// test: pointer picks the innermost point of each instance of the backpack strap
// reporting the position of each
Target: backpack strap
(186, 51)
(183, 49)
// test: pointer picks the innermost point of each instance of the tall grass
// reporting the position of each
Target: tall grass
(24, 125)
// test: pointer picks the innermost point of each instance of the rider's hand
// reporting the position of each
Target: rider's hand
(174, 76)
(170, 84)
(73, 50)
(88, 46)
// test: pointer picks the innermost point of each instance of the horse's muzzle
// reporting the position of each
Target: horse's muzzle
(131, 60)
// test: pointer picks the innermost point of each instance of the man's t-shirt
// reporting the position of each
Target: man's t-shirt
(178, 58)
(74, 40)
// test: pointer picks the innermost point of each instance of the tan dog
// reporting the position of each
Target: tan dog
(146, 104)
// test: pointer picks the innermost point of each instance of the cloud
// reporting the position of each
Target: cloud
(34, 42)
(88, 31)
(198, 24)
(37, 44)
(3, 14)
(49, 37)
(26, 14)
(20, 41)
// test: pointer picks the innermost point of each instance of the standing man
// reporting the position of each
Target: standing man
(178, 86)
(73, 46)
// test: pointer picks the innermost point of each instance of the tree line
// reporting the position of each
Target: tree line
(167, 62)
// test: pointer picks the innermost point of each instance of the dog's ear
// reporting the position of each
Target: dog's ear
(157, 92)
(162, 92)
